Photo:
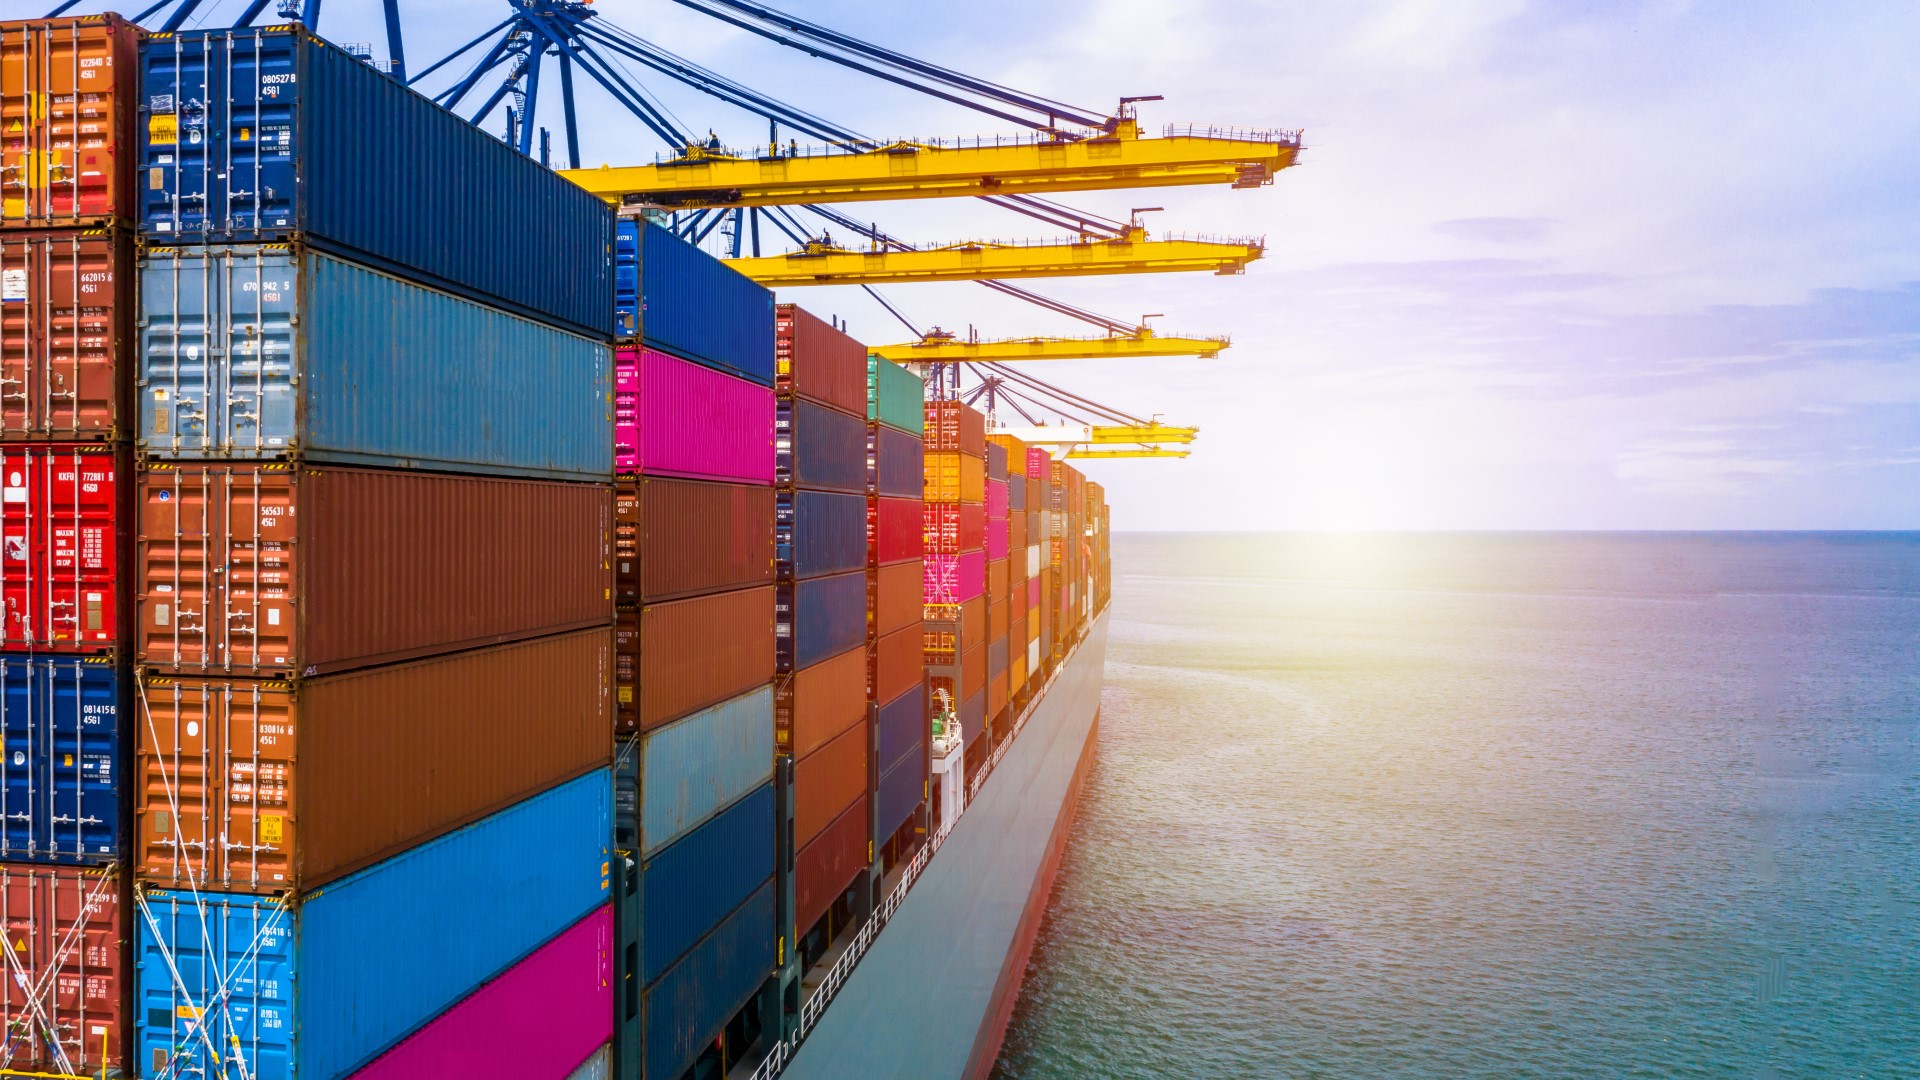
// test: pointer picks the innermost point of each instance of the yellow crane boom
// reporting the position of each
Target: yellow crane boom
(779, 176)
(1134, 452)
(1131, 253)
(941, 347)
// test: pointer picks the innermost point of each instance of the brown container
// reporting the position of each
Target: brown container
(828, 781)
(954, 425)
(997, 621)
(996, 580)
(1017, 545)
(699, 652)
(973, 672)
(268, 570)
(899, 664)
(814, 704)
(66, 931)
(897, 592)
(287, 786)
(68, 91)
(66, 325)
(825, 868)
(815, 361)
(1016, 600)
(679, 538)
(973, 622)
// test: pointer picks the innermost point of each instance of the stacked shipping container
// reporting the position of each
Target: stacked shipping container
(695, 567)
(1006, 689)
(374, 581)
(67, 94)
(954, 594)
(896, 545)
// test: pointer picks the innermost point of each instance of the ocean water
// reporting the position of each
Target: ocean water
(1496, 805)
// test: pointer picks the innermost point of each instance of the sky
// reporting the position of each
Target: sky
(1541, 266)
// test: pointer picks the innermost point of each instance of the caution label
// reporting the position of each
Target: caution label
(272, 827)
(163, 129)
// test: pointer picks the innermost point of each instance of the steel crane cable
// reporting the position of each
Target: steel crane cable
(1043, 387)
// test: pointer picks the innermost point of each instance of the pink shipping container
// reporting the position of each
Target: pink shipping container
(1039, 462)
(997, 539)
(673, 417)
(541, 1017)
(955, 579)
(996, 499)
(1035, 593)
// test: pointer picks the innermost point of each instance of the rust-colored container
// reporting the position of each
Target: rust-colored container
(246, 785)
(996, 580)
(823, 869)
(897, 591)
(815, 361)
(267, 570)
(66, 931)
(954, 425)
(61, 508)
(816, 703)
(678, 538)
(66, 324)
(997, 695)
(954, 477)
(698, 652)
(973, 671)
(1017, 545)
(973, 622)
(828, 781)
(997, 620)
(898, 665)
(68, 91)
(626, 669)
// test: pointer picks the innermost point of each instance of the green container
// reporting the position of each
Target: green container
(895, 396)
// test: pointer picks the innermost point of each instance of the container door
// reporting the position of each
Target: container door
(57, 569)
(59, 717)
(60, 338)
(217, 352)
(215, 986)
(216, 556)
(218, 147)
(60, 121)
(62, 995)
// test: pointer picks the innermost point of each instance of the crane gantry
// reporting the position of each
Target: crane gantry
(942, 346)
(821, 262)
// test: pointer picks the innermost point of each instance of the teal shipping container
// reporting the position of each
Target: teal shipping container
(895, 396)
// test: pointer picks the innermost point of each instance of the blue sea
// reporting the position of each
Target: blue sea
(1512, 805)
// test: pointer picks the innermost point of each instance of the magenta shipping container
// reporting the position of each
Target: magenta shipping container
(673, 417)
(955, 579)
(996, 537)
(541, 1017)
(996, 499)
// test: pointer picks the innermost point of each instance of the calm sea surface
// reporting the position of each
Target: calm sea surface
(1498, 805)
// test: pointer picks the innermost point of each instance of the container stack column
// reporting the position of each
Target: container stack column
(956, 573)
(896, 545)
(999, 603)
(1014, 525)
(1040, 571)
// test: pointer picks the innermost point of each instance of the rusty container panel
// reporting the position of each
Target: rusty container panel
(957, 426)
(61, 506)
(973, 671)
(678, 538)
(816, 703)
(828, 781)
(66, 932)
(699, 652)
(814, 360)
(996, 695)
(996, 620)
(68, 92)
(626, 669)
(996, 580)
(66, 320)
(899, 663)
(265, 570)
(246, 785)
(825, 868)
(973, 622)
(896, 596)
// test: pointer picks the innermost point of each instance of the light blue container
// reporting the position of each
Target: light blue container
(276, 351)
(696, 766)
(318, 989)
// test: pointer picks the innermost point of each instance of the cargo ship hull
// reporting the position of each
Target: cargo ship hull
(933, 994)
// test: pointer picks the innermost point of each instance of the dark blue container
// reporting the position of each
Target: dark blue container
(626, 281)
(689, 1005)
(996, 658)
(1017, 493)
(274, 134)
(694, 305)
(903, 722)
(821, 533)
(820, 448)
(996, 461)
(900, 463)
(820, 618)
(687, 889)
(902, 788)
(60, 767)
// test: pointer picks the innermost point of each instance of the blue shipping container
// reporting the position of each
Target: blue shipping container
(996, 658)
(275, 134)
(626, 281)
(821, 533)
(899, 463)
(819, 618)
(695, 306)
(59, 774)
(997, 461)
(686, 1009)
(1017, 493)
(691, 769)
(902, 788)
(903, 723)
(819, 448)
(270, 350)
(688, 888)
(320, 988)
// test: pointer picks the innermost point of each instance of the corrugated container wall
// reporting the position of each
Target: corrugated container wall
(699, 652)
(688, 888)
(822, 533)
(266, 351)
(819, 362)
(273, 133)
(674, 417)
(696, 306)
(816, 703)
(820, 448)
(59, 717)
(824, 868)
(66, 930)
(899, 469)
(68, 92)
(675, 538)
(827, 617)
(895, 396)
(827, 781)
(62, 507)
(338, 978)
(689, 1005)
(66, 324)
(690, 770)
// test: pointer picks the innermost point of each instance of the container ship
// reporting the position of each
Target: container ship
(433, 649)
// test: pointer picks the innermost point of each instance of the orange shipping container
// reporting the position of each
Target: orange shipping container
(68, 91)
(897, 591)
(997, 620)
(1017, 664)
(65, 323)
(252, 786)
(898, 665)
(269, 570)
(973, 672)
(828, 781)
(973, 622)
(825, 868)
(997, 695)
(996, 580)
(955, 477)
(814, 704)
(66, 932)
(690, 654)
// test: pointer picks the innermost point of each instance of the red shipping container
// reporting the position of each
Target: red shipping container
(68, 92)
(973, 671)
(953, 425)
(65, 930)
(817, 362)
(675, 538)
(825, 868)
(894, 598)
(896, 530)
(899, 663)
(60, 509)
(953, 528)
(828, 781)
(65, 330)
(816, 703)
